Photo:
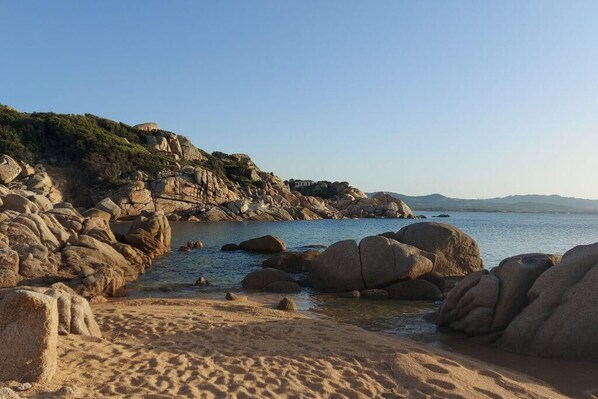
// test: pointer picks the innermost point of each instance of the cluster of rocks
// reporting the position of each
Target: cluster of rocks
(34, 182)
(380, 205)
(377, 267)
(43, 243)
(535, 304)
(170, 143)
(52, 257)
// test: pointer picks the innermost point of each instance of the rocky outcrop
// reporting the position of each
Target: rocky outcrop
(486, 302)
(28, 336)
(263, 244)
(531, 304)
(380, 205)
(457, 254)
(9, 169)
(148, 126)
(40, 246)
(152, 235)
(562, 315)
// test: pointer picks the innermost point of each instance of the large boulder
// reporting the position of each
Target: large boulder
(151, 234)
(74, 313)
(562, 315)
(292, 262)
(9, 169)
(517, 274)
(262, 278)
(28, 337)
(385, 261)
(469, 306)
(338, 267)
(264, 244)
(457, 254)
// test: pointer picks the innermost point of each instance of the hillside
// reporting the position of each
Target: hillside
(127, 170)
(514, 203)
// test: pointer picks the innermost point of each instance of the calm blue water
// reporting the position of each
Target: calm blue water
(498, 235)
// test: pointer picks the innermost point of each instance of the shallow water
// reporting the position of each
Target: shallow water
(498, 235)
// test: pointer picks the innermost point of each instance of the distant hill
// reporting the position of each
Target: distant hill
(513, 203)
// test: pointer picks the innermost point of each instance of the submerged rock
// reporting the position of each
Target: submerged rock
(230, 247)
(292, 262)
(262, 278)
(374, 294)
(414, 290)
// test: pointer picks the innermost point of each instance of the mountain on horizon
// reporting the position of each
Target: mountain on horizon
(530, 203)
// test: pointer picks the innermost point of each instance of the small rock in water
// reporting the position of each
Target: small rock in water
(230, 247)
(68, 392)
(350, 294)
(230, 296)
(198, 244)
(374, 294)
(24, 387)
(202, 281)
(287, 304)
(7, 393)
(184, 248)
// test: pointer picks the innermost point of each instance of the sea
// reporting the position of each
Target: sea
(499, 235)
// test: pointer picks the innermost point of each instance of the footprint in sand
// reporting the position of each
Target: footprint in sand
(436, 368)
(488, 373)
(442, 384)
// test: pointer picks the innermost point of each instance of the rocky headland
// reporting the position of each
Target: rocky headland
(125, 171)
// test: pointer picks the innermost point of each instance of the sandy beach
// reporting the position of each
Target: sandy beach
(171, 348)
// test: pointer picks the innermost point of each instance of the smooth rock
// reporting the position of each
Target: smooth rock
(338, 267)
(263, 244)
(457, 254)
(385, 261)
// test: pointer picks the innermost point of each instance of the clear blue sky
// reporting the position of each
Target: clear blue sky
(466, 98)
